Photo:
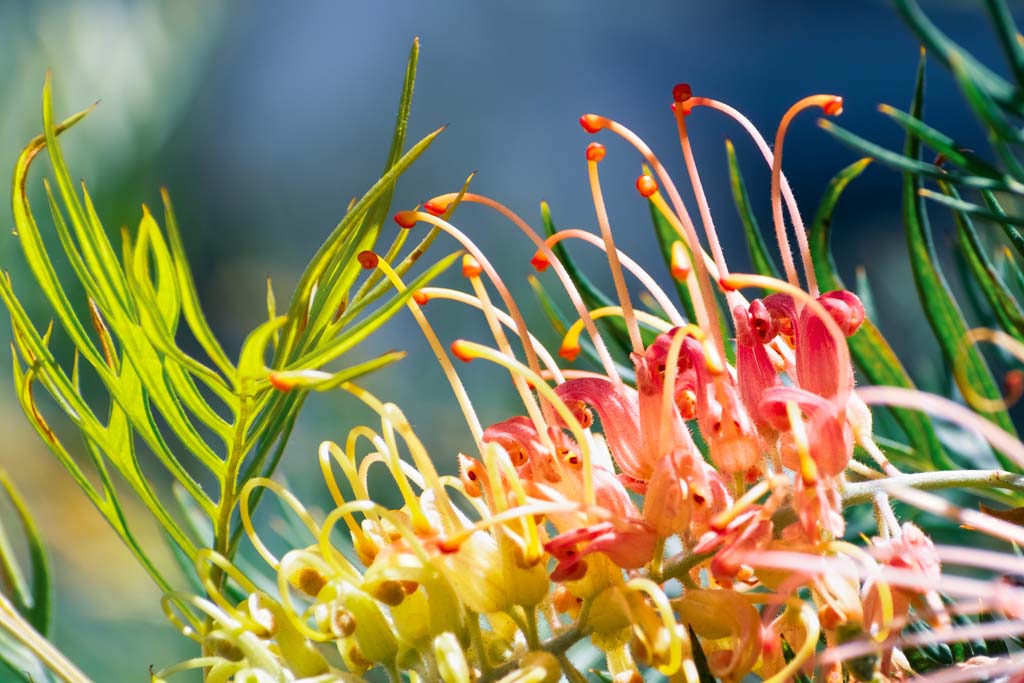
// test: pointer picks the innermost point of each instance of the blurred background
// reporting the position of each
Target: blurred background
(263, 119)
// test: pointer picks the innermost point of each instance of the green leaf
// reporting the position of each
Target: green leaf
(357, 333)
(945, 50)
(954, 154)
(339, 276)
(1012, 234)
(759, 254)
(667, 236)
(868, 347)
(592, 296)
(190, 306)
(970, 209)
(940, 307)
(560, 324)
(1002, 303)
(34, 603)
(340, 239)
(1009, 37)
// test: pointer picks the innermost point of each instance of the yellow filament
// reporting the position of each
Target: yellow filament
(518, 513)
(285, 495)
(387, 453)
(419, 519)
(194, 629)
(392, 416)
(571, 340)
(722, 520)
(664, 609)
(975, 398)
(494, 455)
(671, 369)
(232, 626)
(536, 412)
(629, 264)
(442, 358)
(330, 553)
(813, 631)
(563, 276)
(884, 592)
(329, 449)
(506, 320)
(808, 469)
(205, 557)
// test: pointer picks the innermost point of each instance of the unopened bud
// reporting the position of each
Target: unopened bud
(451, 659)
(388, 592)
(307, 580)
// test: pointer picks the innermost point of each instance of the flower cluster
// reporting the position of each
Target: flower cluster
(684, 514)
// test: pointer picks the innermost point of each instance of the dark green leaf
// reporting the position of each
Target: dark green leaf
(759, 254)
(940, 307)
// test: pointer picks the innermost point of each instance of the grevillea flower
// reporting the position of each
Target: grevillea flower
(691, 486)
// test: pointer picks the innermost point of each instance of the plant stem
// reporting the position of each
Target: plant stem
(228, 498)
(556, 645)
(13, 623)
(863, 491)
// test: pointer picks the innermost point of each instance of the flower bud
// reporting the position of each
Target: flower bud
(373, 633)
(308, 580)
(536, 667)
(451, 659)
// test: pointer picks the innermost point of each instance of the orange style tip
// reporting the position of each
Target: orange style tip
(729, 283)
(460, 349)
(834, 107)
(595, 151)
(592, 122)
(681, 92)
(406, 219)
(646, 185)
(540, 262)
(570, 353)
(434, 207)
(448, 547)
(420, 297)
(280, 383)
(368, 259)
(680, 272)
(470, 266)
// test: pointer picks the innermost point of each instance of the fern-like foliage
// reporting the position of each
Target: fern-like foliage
(212, 423)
